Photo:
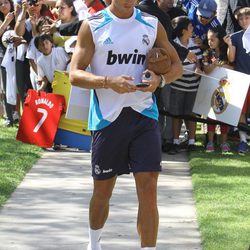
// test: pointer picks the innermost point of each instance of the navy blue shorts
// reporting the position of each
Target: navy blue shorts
(132, 143)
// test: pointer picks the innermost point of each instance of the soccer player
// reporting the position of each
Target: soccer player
(123, 116)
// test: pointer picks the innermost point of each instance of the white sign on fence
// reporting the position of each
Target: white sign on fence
(222, 103)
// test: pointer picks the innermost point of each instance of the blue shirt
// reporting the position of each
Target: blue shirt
(199, 29)
(242, 59)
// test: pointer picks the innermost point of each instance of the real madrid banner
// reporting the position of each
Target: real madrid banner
(221, 95)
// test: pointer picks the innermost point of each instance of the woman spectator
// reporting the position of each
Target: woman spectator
(66, 11)
(7, 22)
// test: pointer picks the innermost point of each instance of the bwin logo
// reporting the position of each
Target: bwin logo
(125, 58)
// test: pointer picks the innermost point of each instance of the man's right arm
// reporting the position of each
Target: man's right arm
(81, 58)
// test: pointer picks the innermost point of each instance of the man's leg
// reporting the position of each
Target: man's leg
(148, 218)
(99, 210)
(99, 204)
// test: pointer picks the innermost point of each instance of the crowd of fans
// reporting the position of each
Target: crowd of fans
(38, 37)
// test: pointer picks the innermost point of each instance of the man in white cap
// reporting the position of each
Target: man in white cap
(202, 13)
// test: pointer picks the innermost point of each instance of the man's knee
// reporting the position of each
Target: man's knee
(103, 189)
(146, 184)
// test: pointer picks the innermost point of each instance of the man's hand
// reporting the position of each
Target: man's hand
(121, 84)
(49, 28)
(191, 57)
(198, 41)
(227, 39)
(153, 82)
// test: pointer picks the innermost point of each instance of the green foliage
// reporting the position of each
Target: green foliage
(16, 158)
(222, 192)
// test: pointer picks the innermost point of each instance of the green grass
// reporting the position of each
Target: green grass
(222, 193)
(16, 158)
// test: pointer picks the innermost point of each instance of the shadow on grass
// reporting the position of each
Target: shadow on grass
(231, 164)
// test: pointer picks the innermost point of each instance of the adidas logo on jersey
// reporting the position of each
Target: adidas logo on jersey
(108, 41)
(125, 58)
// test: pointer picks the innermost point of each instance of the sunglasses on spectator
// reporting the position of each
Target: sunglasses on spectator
(207, 18)
(61, 7)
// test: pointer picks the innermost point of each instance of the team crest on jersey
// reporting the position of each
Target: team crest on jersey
(97, 170)
(145, 40)
(221, 97)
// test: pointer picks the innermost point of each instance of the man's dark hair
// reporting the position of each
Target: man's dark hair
(179, 24)
(42, 38)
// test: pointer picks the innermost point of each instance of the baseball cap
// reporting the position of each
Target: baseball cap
(206, 8)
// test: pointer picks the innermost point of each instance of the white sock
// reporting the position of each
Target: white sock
(94, 239)
(243, 136)
(177, 141)
(148, 248)
(191, 141)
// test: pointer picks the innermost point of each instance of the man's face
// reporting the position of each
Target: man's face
(35, 9)
(165, 5)
(205, 20)
(244, 21)
(45, 47)
(124, 4)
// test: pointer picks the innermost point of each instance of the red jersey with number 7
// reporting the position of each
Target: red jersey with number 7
(40, 118)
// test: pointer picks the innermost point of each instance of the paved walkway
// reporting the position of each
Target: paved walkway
(49, 210)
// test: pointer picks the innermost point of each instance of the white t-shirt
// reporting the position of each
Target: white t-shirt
(121, 47)
(32, 52)
(56, 60)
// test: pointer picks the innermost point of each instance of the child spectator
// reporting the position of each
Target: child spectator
(33, 53)
(203, 16)
(183, 90)
(216, 56)
(238, 55)
(52, 58)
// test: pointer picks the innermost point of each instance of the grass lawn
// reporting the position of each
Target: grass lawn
(222, 193)
(16, 158)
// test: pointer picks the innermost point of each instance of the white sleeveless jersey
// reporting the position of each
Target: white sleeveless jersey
(121, 46)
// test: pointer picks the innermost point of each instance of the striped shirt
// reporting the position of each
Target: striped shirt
(189, 81)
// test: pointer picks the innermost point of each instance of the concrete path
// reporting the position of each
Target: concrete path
(49, 210)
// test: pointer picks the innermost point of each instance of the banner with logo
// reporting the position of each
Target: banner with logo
(221, 95)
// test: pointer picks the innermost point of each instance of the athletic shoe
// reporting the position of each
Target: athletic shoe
(243, 147)
(210, 147)
(191, 147)
(166, 147)
(8, 124)
(174, 149)
(225, 147)
(16, 116)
